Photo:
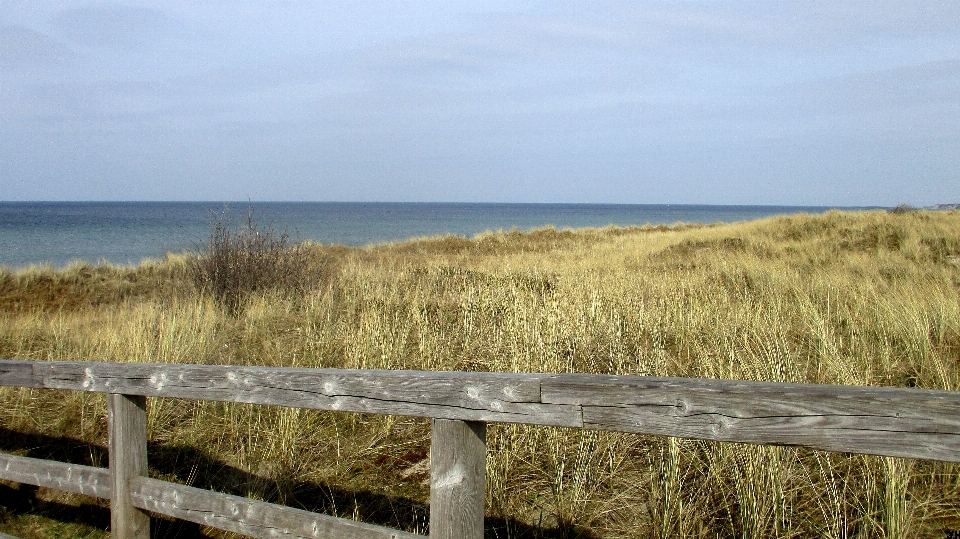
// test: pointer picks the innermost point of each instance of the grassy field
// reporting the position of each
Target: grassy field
(840, 298)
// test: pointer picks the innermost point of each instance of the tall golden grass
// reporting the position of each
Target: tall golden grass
(839, 298)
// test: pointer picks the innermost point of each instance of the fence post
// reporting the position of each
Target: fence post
(458, 466)
(127, 418)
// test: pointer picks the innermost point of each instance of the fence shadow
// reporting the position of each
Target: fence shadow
(193, 466)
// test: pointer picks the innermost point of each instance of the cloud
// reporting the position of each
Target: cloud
(832, 22)
(24, 49)
(896, 88)
(116, 27)
(666, 101)
(906, 103)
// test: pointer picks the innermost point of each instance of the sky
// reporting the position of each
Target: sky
(812, 102)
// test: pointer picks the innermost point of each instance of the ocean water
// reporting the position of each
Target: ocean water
(128, 232)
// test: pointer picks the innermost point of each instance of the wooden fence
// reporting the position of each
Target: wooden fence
(896, 422)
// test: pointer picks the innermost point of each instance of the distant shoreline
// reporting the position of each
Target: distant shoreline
(121, 233)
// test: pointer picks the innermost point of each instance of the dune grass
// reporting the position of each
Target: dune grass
(839, 298)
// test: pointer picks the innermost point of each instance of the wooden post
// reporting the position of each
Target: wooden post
(458, 458)
(127, 418)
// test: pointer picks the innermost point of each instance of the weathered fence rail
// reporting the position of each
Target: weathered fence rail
(896, 422)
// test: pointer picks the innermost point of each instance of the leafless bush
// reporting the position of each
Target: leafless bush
(240, 261)
(902, 209)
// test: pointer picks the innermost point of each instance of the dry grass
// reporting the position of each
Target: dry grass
(846, 298)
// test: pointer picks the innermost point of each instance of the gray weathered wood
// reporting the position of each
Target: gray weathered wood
(74, 478)
(18, 373)
(500, 397)
(5, 536)
(127, 423)
(458, 454)
(896, 422)
(250, 517)
(901, 422)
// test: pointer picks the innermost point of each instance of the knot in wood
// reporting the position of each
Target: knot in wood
(721, 426)
(158, 381)
(453, 477)
(88, 378)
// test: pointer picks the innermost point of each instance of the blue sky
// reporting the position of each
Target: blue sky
(649, 102)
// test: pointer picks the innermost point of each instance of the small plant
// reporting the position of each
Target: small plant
(902, 209)
(239, 262)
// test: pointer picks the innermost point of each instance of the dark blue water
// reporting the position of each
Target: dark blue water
(128, 232)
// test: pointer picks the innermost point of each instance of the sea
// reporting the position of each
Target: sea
(126, 233)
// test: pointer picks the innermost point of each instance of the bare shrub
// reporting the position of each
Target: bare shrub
(903, 209)
(238, 262)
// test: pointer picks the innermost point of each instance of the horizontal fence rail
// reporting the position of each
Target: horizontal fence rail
(249, 517)
(895, 422)
(231, 513)
(61, 476)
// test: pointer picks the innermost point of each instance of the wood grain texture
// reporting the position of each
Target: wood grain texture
(458, 452)
(59, 475)
(18, 373)
(127, 424)
(897, 422)
(250, 517)
(499, 397)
